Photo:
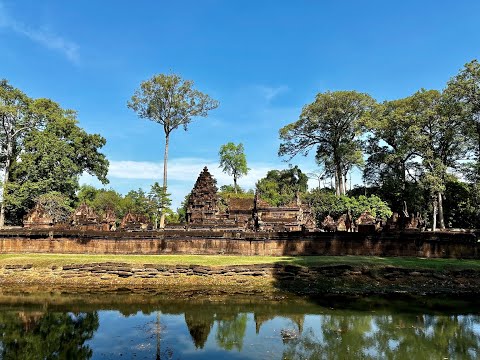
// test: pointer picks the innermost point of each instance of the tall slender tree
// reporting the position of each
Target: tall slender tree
(172, 102)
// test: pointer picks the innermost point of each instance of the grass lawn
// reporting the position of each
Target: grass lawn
(48, 260)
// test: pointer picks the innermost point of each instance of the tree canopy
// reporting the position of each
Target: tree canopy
(233, 161)
(329, 124)
(48, 155)
(171, 102)
(281, 187)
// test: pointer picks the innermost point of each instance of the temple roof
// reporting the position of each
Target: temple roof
(240, 204)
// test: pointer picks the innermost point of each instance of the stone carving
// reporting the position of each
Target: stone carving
(402, 222)
(135, 222)
(366, 223)
(203, 201)
(109, 220)
(328, 224)
(240, 211)
(341, 223)
(291, 217)
(85, 218)
(243, 214)
(38, 218)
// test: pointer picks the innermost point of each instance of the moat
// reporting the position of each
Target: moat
(129, 326)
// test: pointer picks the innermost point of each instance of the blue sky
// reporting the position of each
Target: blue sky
(263, 60)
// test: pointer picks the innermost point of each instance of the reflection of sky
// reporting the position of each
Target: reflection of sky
(130, 337)
(134, 336)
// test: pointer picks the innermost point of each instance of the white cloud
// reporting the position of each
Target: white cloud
(42, 36)
(183, 170)
(270, 92)
(182, 174)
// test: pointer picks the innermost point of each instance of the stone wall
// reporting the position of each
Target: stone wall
(421, 244)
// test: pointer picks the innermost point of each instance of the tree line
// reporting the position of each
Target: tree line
(422, 150)
(42, 151)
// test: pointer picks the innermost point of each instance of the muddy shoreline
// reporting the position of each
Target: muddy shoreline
(268, 280)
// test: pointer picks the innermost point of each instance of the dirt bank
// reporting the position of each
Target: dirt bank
(266, 279)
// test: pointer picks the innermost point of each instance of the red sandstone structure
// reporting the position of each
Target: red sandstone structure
(38, 218)
(242, 213)
(135, 222)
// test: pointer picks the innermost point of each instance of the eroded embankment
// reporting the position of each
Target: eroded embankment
(245, 279)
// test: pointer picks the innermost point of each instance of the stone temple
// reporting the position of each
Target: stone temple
(204, 211)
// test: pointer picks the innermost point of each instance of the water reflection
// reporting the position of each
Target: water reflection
(36, 335)
(389, 337)
(195, 330)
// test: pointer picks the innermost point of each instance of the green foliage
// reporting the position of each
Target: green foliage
(57, 205)
(462, 204)
(230, 332)
(160, 203)
(233, 161)
(280, 187)
(331, 124)
(51, 336)
(170, 101)
(228, 192)
(138, 201)
(324, 202)
(52, 158)
(86, 194)
(109, 200)
(464, 89)
(392, 131)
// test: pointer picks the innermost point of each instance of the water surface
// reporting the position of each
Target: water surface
(145, 327)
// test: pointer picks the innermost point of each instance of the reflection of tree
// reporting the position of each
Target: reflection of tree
(199, 325)
(51, 336)
(389, 337)
(230, 333)
(427, 336)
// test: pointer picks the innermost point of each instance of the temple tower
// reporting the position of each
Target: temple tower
(202, 204)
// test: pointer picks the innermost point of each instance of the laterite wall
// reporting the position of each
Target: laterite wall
(441, 244)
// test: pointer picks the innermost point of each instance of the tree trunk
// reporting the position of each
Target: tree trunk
(441, 220)
(341, 180)
(478, 150)
(235, 182)
(2, 208)
(337, 184)
(404, 182)
(5, 182)
(165, 161)
(434, 215)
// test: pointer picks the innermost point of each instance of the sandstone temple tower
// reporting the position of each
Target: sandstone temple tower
(203, 203)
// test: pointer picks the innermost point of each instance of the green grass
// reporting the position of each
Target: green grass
(48, 260)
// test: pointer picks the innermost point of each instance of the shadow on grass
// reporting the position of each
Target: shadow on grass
(347, 281)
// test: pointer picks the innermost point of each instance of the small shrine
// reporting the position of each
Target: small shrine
(366, 223)
(108, 221)
(85, 218)
(135, 222)
(38, 218)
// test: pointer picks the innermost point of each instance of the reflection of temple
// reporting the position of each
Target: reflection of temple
(199, 326)
(260, 319)
(242, 213)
